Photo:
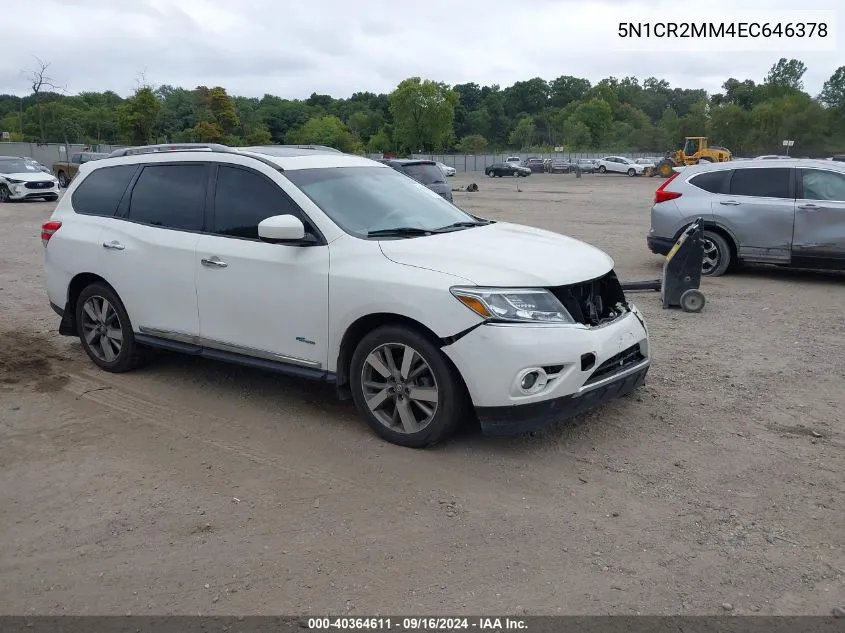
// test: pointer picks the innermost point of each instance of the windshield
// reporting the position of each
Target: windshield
(364, 199)
(16, 167)
(426, 173)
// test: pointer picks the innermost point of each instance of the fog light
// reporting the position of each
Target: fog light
(532, 380)
(528, 381)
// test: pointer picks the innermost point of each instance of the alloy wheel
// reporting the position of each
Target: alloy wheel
(102, 329)
(399, 388)
(712, 256)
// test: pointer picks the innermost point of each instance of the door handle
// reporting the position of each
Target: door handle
(729, 203)
(213, 262)
(114, 245)
(809, 206)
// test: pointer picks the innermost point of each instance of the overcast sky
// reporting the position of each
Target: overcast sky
(292, 48)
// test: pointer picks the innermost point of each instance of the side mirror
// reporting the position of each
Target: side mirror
(281, 228)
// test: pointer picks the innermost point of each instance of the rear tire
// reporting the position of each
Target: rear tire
(491, 174)
(717, 254)
(632, 172)
(404, 387)
(63, 180)
(105, 331)
(665, 168)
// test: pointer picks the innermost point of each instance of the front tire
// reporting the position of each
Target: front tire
(404, 388)
(5, 194)
(105, 330)
(717, 254)
(491, 174)
(602, 169)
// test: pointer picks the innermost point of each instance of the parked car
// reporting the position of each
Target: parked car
(506, 169)
(560, 166)
(791, 214)
(619, 164)
(771, 157)
(22, 180)
(514, 160)
(839, 158)
(29, 161)
(536, 165)
(425, 172)
(65, 170)
(447, 171)
(586, 165)
(353, 274)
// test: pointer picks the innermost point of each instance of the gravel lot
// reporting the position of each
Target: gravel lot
(191, 486)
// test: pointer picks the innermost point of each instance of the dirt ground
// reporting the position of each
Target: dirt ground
(195, 487)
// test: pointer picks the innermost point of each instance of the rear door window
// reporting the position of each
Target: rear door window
(170, 196)
(100, 193)
(820, 184)
(713, 181)
(769, 182)
(426, 173)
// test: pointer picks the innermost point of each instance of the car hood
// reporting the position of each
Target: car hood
(503, 254)
(28, 176)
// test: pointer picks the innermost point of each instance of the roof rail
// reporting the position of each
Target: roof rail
(171, 147)
(188, 147)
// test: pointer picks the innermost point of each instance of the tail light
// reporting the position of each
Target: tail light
(47, 231)
(661, 195)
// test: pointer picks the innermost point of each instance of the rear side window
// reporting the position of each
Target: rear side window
(770, 182)
(820, 184)
(426, 173)
(713, 181)
(170, 196)
(243, 199)
(100, 193)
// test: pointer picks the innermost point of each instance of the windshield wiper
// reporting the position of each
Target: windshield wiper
(399, 231)
(461, 225)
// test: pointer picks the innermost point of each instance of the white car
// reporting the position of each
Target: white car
(447, 171)
(621, 165)
(21, 179)
(514, 160)
(338, 268)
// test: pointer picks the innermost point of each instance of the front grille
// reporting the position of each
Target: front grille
(615, 364)
(40, 184)
(593, 302)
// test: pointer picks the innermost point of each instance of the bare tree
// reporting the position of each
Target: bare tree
(39, 80)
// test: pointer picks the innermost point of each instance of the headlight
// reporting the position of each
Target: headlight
(12, 181)
(518, 305)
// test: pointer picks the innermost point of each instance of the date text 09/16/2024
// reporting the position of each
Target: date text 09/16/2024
(430, 624)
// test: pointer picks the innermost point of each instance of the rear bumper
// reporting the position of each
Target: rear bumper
(540, 415)
(659, 245)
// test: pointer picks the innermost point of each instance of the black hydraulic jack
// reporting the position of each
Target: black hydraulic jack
(681, 273)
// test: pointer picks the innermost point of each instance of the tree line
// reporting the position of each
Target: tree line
(421, 115)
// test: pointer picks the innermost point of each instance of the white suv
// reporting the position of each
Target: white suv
(338, 268)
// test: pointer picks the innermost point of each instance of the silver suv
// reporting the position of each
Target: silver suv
(788, 212)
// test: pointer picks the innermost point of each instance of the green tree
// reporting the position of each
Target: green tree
(597, 115)
(524, 133)
(472, 144)
(379, 142)
(139, 117)
(833, 91)
(423, 112)
(223, 109)
(260, 136)
(787, 73)
(576, 134)
(326, 130)
(566, 89)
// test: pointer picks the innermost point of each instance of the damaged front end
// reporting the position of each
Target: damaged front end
(595, 302)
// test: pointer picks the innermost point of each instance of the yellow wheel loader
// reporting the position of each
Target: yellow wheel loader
(695, 150)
